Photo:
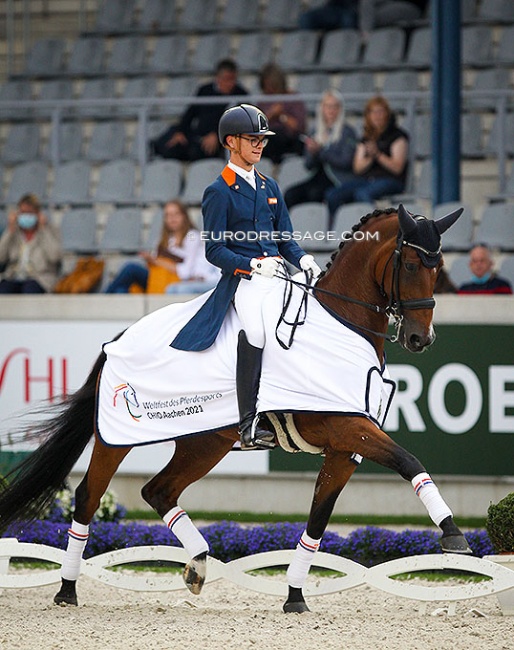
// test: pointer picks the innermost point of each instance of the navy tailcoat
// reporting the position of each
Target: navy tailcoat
(240, 223)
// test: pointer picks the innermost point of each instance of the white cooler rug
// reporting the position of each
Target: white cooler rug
(150, 392)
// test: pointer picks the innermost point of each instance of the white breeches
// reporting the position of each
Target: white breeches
(248, 301)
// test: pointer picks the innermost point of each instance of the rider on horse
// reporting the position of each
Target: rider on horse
(249, 232)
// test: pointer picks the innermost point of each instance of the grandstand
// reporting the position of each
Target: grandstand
(85, 84)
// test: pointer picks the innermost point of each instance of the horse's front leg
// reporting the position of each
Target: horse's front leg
(104, 463)
(374, 444)
(194, 457)
(333, 476)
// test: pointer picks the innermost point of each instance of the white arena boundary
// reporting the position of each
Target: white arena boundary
(353, 575)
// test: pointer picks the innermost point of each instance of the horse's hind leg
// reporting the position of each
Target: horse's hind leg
(194, 457)
(334, 474)
(104, 463)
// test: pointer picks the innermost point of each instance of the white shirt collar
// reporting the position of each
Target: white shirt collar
(248, 175)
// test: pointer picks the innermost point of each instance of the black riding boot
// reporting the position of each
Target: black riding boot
(248, 374)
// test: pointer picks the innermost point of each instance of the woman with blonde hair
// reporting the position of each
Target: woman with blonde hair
(179, 256)
(329, 152)
(380, 162)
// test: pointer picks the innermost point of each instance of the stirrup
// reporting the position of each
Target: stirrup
(253, 437)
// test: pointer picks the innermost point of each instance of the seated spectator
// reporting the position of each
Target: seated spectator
(483, 279)
(30, 250)
(380, 161)
(333, 14)
(196, 135)
(179, 258)
(287, 119)
(329, 152)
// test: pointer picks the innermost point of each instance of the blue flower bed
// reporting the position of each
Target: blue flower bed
(227, 540)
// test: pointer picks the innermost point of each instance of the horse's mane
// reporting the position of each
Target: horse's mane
(363, 220)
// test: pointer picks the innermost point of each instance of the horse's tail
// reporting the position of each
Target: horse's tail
(32, 485)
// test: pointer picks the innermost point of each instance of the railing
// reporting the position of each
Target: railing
(352, 574)
(142, 108)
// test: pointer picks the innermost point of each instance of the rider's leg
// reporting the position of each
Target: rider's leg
(248, 303)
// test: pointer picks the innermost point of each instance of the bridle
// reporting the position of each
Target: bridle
(394, 308)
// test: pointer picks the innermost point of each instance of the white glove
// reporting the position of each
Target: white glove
(266, 266)
(307, 263)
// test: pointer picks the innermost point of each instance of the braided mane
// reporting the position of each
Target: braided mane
(355, 228)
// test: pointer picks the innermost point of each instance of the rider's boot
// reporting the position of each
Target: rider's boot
(248, 374)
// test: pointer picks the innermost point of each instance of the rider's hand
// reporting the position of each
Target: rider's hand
(266, 266)
(307, 263)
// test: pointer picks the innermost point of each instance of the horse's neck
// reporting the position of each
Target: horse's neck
(352, 274)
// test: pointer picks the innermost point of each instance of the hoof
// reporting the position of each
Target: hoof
(194, 573)
(295, 608)
(455, 544)
(67, 595)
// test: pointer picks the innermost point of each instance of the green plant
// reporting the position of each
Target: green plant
(500, 524)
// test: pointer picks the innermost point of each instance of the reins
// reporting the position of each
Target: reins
(394, 308)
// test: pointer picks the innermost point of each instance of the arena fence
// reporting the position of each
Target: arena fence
(351, 574)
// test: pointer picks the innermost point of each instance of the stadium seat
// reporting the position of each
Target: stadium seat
(45, 59)
(477, 46)
(87, 57)
(385, 48)
(71, 183)
(158, 16)
(422, 136)
(169, 55)
(116, 182)
(21, 144)
(56, 89)
(200, 174)
(198, 16)
(69, 145)
(238, 15)
(399, 82)
(292, 170)
(497, 139)
(487, 79)
(280, 14)
(496, 228)
(161, 182)
(101, 88)
(419, 50)
(137, 88)
(356, 82)
(107, 141)
(505, 51)
(312, 83)
(115, 16)
(459, 270)
(78, 231)
(210, 48)
(179, 88)
(28, 177)
(18, 90)
(311, 219)
(348, 215)
(339, 49)
(123, 232)
(297, 50)
(497, 11)
(508, 192)
(127, 56)
(506, 268)
(254, 50)
(460, 235)
(471, 136)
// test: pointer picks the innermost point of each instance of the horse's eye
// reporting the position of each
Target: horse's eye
(411, 266)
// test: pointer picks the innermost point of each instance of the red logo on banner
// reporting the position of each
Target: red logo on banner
(53, 367)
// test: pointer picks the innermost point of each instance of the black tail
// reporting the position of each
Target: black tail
(33, 484)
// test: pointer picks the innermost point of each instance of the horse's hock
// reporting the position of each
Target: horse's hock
(500, 580)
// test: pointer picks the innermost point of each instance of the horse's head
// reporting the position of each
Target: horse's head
(409, 276)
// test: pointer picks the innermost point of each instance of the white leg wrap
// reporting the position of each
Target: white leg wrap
(302, 560)
(188, 535)
(428, 492)
(78, 535)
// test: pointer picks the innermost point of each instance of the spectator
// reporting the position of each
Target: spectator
(30, 250)
(195, 137)
(333, 14)
(387, 13)
(329, 152)
(286, 118)
(179, 254)
(380, 162)
(483, 279)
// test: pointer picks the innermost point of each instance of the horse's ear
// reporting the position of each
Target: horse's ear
(448, 220)
(407, 222)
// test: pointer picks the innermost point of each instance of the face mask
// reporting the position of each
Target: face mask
(27, 221)
(485, 278)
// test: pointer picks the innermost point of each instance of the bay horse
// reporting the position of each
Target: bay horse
(367, 283)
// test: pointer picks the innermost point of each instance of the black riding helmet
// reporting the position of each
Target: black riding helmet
(244, 119)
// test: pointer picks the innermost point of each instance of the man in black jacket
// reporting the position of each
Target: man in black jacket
(196, 135)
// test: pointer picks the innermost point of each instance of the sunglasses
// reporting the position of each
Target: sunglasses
(255, 142)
